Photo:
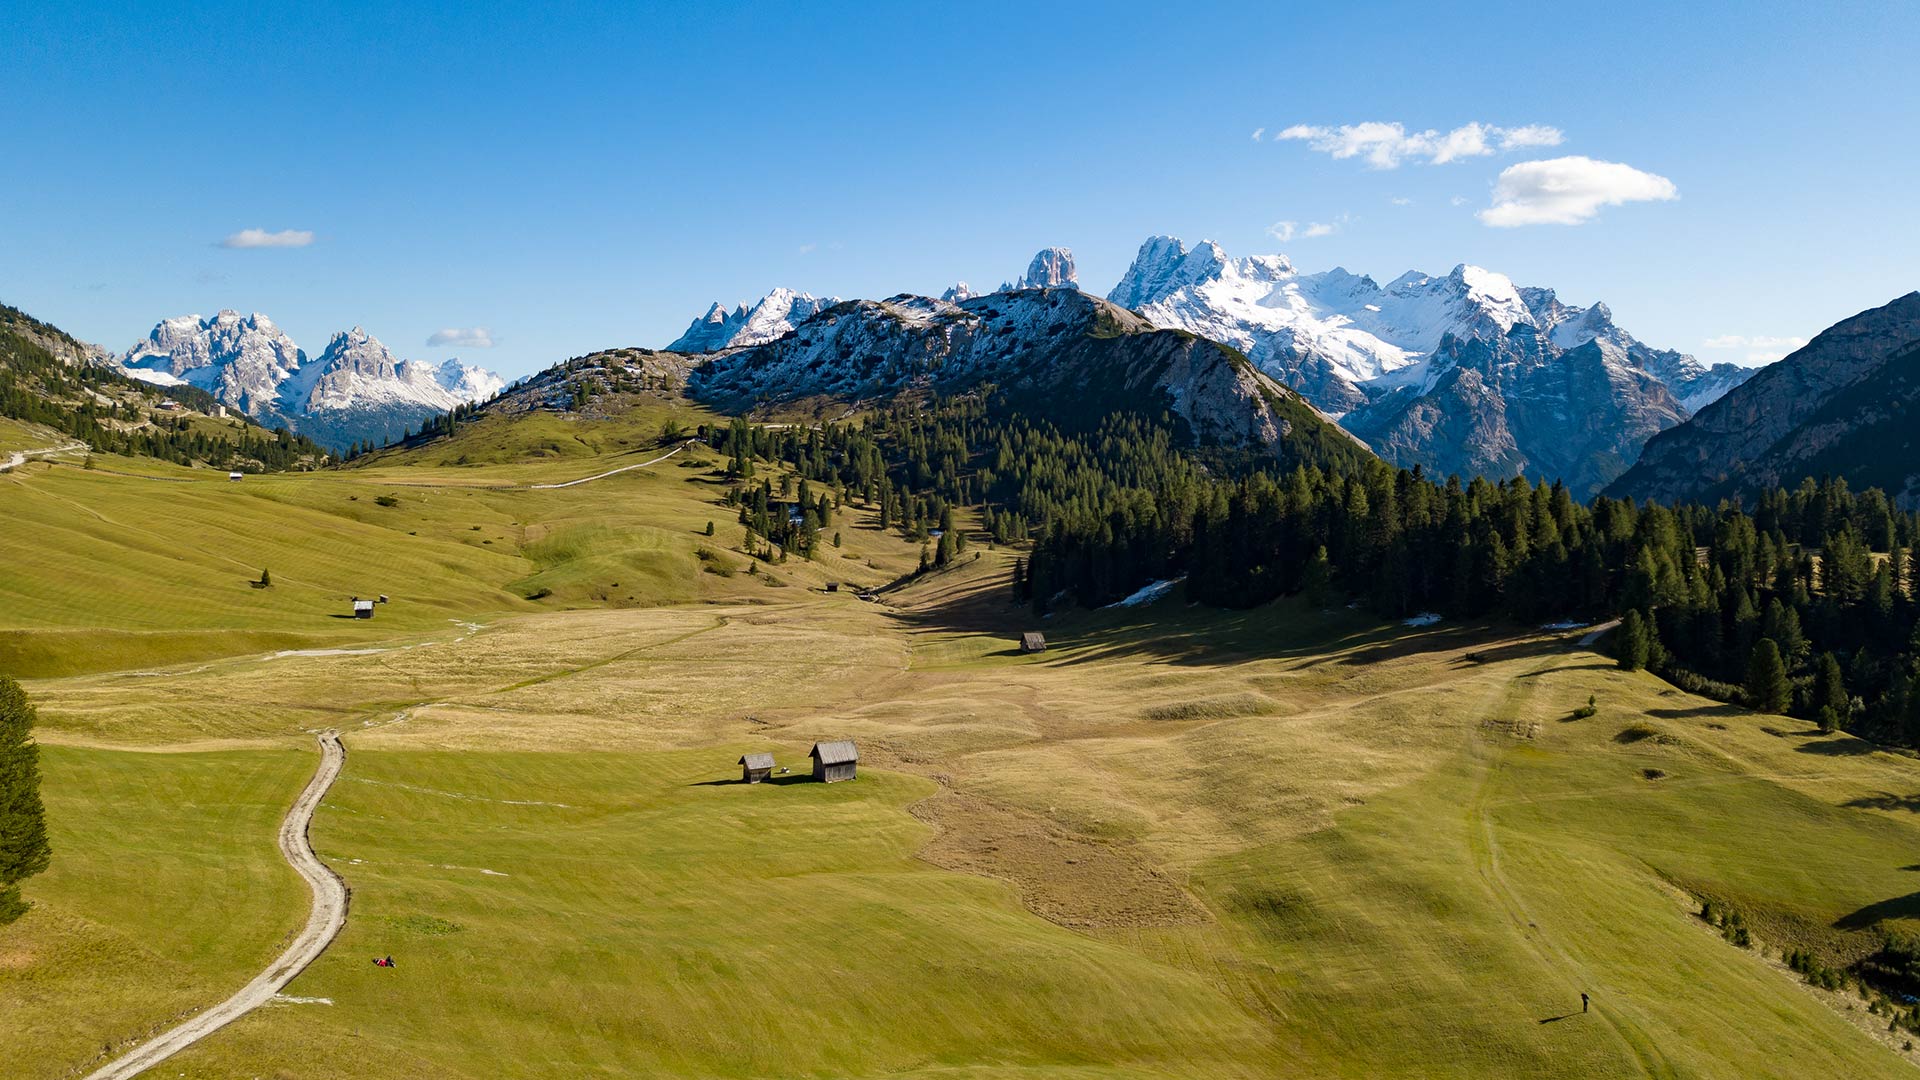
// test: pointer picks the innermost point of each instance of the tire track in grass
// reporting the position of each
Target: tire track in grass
(1484, 842)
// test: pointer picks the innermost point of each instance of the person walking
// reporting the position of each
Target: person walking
(1583, 1001)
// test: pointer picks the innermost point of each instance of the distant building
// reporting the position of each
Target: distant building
(1033, 641)
(834, 761)
(363, 609)
(833, 586)
(236, 476)
(220, 411)
(169, 405)
(755, 767)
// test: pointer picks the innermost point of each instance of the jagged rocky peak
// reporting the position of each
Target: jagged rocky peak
(958, 292)
(1052, 268)
(773, 316)
(355, 389)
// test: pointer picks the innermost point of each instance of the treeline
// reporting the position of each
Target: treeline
(1821, 578)
(84, 400)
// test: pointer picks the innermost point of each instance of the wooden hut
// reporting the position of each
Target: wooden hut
(834, 761)
(755, 767)
(236, 476)
(363, 609)
(1033, 641)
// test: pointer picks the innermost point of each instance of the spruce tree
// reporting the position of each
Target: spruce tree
(1829, 692)
(1767, 687)
(24, 851)
(1634, 645)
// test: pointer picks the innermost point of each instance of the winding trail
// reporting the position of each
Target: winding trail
(323, 924)
(614, 472)
(20, 457)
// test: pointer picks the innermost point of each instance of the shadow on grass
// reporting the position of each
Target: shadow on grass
(1899, 907)
(1838, 747)
(1557, 1019)
(771, 781)
(1698, 711)
(1887, 800)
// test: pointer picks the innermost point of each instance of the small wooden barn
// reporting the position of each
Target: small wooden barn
(755, 767)
(1033, 641)
(363, 609)
(236, 476)
(834, 761)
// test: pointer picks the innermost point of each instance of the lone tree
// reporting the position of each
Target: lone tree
(23, 820)
(1767, 687)
(1634, 644)
(266, 579)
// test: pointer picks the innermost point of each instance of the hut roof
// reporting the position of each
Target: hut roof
(1033, 638)
(835, 753)
(757, 761)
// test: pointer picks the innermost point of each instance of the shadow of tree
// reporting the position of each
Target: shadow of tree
(1698, 711)
(1838, 746)
(1899, 907)
(1886, 800)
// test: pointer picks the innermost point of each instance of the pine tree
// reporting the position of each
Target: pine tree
(1633, 648)
(266, 578)
(1829, 692)
(1767, 687)
(24, 851)
(1317, 579)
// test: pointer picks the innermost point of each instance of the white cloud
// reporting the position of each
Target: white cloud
(1384, 145)
(472, 337)
(1569, 191)
(261, 238)
(1458, 200)
(1401, 200)
(1760, 349)
(1742, 341)
(1284, 231)
(807, 249)
(1257, 132)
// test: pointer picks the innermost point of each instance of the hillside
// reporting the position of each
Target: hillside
(50, 379)
(1056, 354)
(1840, 406)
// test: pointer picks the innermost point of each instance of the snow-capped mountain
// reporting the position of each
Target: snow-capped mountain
(774, 315)
(1353, 346)
(354, 390)
(1073, 357)
(1052, 268)
(240, 359)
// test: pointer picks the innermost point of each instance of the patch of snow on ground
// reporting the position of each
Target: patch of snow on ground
(1149, 593)
(1566, 624)
(1425, 618)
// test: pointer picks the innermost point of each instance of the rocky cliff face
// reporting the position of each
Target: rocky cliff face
(1057, 351)
(1841, 405)
(1519, 406)
(1052, 268)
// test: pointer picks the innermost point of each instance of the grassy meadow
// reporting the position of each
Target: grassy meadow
(1180, 843)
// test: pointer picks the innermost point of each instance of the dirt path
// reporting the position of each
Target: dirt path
(615, 472)
(328, 916)
(1593, 635)
(20, 457)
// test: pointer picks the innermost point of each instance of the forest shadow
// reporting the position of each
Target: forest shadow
(1899, 907)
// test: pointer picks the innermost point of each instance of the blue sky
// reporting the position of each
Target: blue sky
(595, 176)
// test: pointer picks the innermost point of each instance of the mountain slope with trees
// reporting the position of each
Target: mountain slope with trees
(1840, 406)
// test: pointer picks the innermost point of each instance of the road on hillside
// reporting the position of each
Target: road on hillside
(615, 472)
(20, 457)
(323, 924)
